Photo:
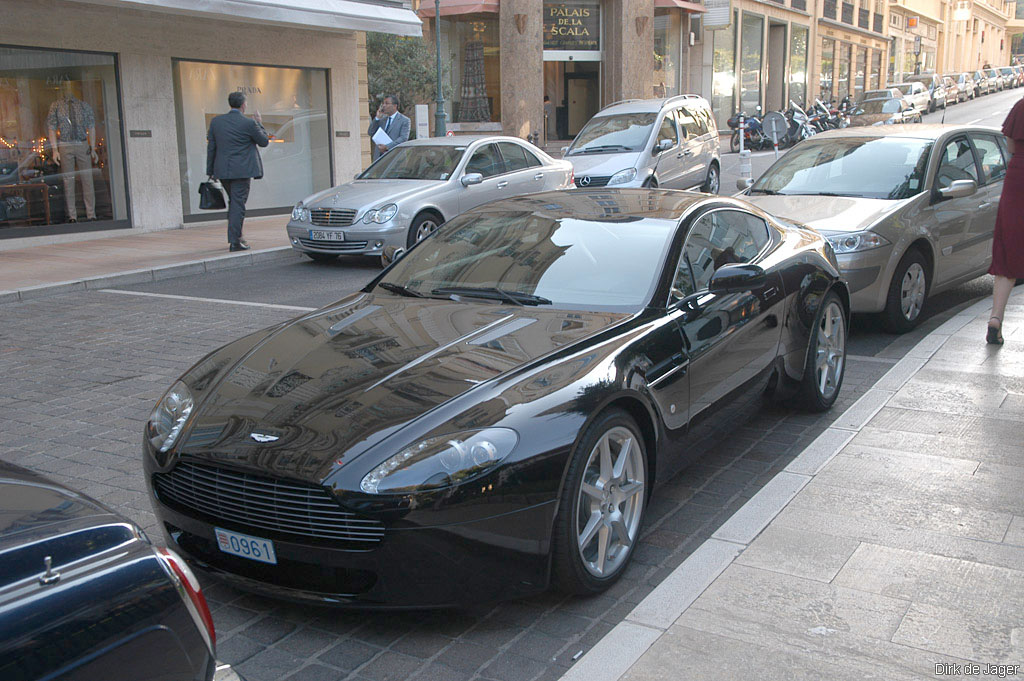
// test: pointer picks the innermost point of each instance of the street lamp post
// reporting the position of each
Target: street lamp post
(439, 115)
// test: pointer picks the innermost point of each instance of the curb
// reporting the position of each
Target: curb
(141, 276)
(613, 656)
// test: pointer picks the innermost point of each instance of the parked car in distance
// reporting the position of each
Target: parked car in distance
(84, 595)
(915, 93)
(983, 83)
(995, 80)
(417, 186)
(936, 89)
(910, 210)
(490, 415)
(884, 112)
(884, 93)
(670, 143)
(953, 93)
(1009, 76)
(965, 85)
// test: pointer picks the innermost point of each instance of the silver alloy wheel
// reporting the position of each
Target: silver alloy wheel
(425, 228)
(831, 354)
(712, 180)
(610, 501)
(912, 290)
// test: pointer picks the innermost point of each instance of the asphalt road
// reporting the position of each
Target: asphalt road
(87, 367)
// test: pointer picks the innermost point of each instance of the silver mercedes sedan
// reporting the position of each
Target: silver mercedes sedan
(417, 186)
(909, 209)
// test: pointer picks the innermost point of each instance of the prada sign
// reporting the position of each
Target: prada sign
(572, 25)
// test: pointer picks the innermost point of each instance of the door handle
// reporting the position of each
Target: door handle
(539, 176)
(502, 184)
(987, 204)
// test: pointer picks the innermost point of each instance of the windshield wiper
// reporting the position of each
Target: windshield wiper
(769, 192)
(494, 293)
(400, 290)
(602, 147)
(853, 196)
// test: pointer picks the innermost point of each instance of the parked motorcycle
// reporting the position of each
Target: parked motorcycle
(800, 126)
(753, 133)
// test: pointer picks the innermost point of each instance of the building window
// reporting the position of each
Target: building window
(723, 84)
(876, 70)
(752, 37)
(798, 64)
(843, 83)
(860, 72)
(896, 20)
(828, 47)
(293, 103)
(475, 68)
(667, 51)
(61, 148)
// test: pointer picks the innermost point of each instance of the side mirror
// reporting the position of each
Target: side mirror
(663, 145)
(736, 278)
(565, 150)
(390, 255)
(959, 189)
(472, 178)
(744, 183)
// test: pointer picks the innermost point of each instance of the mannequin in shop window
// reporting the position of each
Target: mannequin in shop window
(71, 125)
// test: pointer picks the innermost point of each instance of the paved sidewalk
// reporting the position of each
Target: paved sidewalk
(127, 257)
(891, 548)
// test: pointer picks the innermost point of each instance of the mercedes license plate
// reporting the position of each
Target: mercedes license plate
(319, 235)
(246, 546)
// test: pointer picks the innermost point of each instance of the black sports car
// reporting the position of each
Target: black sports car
(84, 595)
(489, 415)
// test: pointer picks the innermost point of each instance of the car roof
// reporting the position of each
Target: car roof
(463, 140)
(912, 131)
(605, 205)
(652, 105)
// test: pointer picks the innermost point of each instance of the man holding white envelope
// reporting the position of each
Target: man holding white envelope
(389, 128)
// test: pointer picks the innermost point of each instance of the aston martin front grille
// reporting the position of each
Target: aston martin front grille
(262, 503)
(332, 217)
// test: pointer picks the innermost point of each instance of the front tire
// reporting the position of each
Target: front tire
(423, 225)
(908, 292)
(734, 141)
(712, 182)
(601, 506)
(826, 356)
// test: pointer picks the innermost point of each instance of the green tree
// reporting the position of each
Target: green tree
(401, 66)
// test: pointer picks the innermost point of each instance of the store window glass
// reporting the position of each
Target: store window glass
(723, 84)
(667, 51)
(474, 67)
(876, 70)
(61, 154)
(293, 103)
(860, 74)
(798, 64)
(843, 84)
(828, 48)
(751, 37)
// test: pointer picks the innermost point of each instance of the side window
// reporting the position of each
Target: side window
(718, 238)
(956, 163)
(485, 161)
(688, 123)
(668, 130)
(514, 155)
(531, 160)
(993, 166)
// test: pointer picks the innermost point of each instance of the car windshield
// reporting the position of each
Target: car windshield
(878, 94)
(434, 162)
(905, 88)
(614, 134)
(877, 106)
(1006, 71)
(877, 168)
(525, 258)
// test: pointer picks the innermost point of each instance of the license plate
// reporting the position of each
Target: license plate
(318, 235)
(246, 546)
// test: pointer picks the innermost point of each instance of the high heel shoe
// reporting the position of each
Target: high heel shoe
(995, 333)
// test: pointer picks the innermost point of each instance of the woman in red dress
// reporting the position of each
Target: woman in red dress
(1008, 241)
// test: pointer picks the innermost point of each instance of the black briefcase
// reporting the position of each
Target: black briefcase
(211, 197)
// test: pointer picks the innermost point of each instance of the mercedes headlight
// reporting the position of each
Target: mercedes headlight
(622, 177)
(382, 214)
(855, 242)
(169, 417)
(300, 214)
(441, 462)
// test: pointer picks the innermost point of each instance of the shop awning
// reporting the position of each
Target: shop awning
(316, 15)
(453, 7)
(691, 7)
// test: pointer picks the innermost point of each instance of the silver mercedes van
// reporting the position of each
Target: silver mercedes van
(670, 143)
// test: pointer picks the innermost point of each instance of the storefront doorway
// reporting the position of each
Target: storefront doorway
(574, 92)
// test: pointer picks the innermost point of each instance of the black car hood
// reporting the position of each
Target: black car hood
(322, 389)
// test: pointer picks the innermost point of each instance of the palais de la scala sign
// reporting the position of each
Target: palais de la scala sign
(574, 26)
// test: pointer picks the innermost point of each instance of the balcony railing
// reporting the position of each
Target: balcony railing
(829, 9)
(848, 13)
(864, 18)
(879, 26)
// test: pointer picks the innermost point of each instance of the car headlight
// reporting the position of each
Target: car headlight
(855, 242)
(623, 176)
(169, 417)
(382, 214)
(441, 462)
(300, 214)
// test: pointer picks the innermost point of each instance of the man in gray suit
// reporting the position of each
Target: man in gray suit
(390, 121)
(232, 158)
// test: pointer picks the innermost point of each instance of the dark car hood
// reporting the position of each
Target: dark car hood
(326, 387)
